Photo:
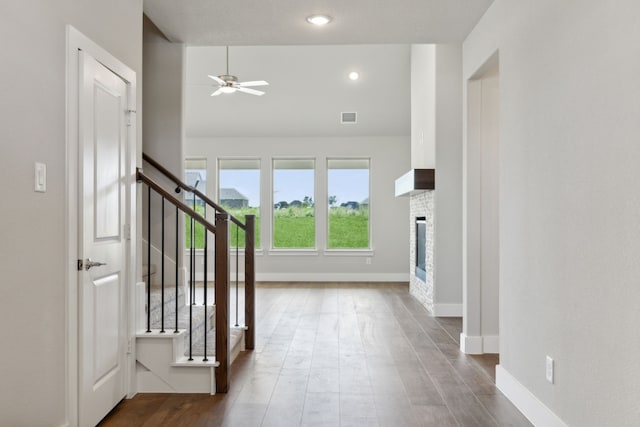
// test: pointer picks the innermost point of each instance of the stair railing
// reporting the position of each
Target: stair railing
(222, 271)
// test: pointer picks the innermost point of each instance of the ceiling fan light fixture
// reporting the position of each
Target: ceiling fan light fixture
(228, 83)
(318, 20)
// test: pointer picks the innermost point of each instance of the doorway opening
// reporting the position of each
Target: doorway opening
(481, 270)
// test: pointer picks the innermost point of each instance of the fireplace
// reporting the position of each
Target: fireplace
(421, 226)
(421, 247)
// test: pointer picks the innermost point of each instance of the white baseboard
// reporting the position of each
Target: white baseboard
(324, 277)
(332, 277)
(447, 310)
(479, 344)
(470, 344)
(532, 408)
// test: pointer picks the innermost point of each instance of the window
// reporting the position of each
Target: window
(239, 194)
(195, 175)
(294, 223)
(348, 198)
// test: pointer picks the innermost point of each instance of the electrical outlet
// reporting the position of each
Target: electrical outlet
(549, 370)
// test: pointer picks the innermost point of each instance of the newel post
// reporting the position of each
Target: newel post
(222, 278)
(250, 283)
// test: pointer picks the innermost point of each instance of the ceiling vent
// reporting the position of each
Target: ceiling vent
(349, 118)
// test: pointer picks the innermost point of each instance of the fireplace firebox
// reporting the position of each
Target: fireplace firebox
(421, 246)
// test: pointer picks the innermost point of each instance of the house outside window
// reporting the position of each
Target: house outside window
(233, 199)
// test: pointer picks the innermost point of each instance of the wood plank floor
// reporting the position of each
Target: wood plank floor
(341, 355)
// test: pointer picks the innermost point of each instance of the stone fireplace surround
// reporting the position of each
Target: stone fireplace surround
(421, 204)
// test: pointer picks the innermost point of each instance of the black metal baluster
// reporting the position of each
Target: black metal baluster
(206, 261)
(204, 230)
(148, 259)
(191, 289)
(193, 254)
(237, 269)
(162, 272)
(177, 240)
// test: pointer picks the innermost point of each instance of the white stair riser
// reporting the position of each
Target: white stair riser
(155, 373)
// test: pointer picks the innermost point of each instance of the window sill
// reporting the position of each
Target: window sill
(349, 252)
(293, 252)
(232, 253)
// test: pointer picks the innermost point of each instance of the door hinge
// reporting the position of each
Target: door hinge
(80, 265)
(127, 231)
(131, 117)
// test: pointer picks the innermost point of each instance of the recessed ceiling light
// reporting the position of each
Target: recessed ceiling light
(354, 75)
(318, 19)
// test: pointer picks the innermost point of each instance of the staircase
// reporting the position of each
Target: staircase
(184, 341)
(163, 356)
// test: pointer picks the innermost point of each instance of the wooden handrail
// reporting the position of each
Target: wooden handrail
(140, 176)
(191, 189)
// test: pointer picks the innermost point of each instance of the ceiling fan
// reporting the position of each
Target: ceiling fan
(229, 83)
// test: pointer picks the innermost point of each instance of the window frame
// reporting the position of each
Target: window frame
(368, 251)
(292, 251)
(188, 200)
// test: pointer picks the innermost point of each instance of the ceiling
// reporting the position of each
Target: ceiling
(308, 90)
(282, 22)
(306, 66)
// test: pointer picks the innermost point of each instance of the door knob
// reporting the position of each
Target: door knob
(88, 264)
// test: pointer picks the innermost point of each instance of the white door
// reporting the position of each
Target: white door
(101, 176)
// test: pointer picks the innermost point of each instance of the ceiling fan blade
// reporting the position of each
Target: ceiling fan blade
(254, 83)
(250, 91)
(217, 79)
(218, 92)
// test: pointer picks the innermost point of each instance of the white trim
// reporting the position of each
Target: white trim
(316, 277)
(479, 344)
(332, 277)
(349, 252)
(293, 252)
(526, 402)
(447, 310)
(470, 344)
(232, 251)
(76, 41)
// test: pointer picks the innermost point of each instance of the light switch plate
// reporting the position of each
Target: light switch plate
(41, 177)
(549, 370)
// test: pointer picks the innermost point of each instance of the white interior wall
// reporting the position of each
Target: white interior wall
(471, 225)
(480, 332)
(423, 106)
(389, 159)
(568, 205)
(162, 137)
(32, 254)
(489, 208)
(448, 200)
